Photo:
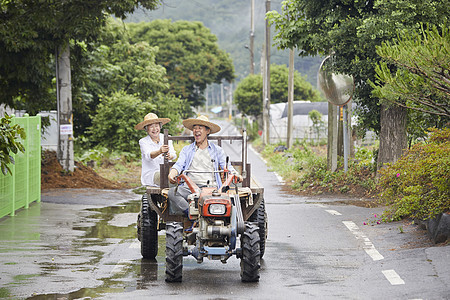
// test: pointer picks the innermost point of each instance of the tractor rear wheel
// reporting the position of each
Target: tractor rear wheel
(260, 217)
(148, 230)
(174, 252)
(250, 261)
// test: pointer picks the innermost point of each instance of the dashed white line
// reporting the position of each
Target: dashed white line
(368, 246)
(393, 277)
(333, 212)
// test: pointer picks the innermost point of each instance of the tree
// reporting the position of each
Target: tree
(422, 79)
(116, 116)
(248, 94)
(10, 142)
(350, 31)
(31, 31)
(190, 54)
(116, 65)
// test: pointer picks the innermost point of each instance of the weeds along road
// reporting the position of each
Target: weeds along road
(82, 244)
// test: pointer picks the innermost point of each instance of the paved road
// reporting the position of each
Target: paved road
(81, 244)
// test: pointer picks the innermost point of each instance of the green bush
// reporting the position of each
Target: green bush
(418, 184)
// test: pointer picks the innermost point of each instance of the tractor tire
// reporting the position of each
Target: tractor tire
(148, 230)
(250, 261)
(174, 252)
(259, 216)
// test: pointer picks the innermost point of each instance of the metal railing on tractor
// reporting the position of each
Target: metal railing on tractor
(242, 165)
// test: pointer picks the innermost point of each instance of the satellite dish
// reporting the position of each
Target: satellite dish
(338, 88)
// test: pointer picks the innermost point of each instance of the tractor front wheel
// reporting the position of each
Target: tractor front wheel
(174, 252)
(148, 230)
(250, 261)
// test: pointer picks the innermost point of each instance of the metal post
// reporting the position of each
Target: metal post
(290, 99)
(252, 37)
(266, 96)
(345, 138)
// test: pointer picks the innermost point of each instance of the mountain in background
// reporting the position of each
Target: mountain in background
(230, 22)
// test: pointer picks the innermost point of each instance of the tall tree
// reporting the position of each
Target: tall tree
(31, 31)
(190, 54)
(350, 31)
(248, 94)
(422, 79)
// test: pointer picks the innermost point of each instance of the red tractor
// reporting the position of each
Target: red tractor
(222, 222)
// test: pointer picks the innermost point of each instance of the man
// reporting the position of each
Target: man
(201, 155)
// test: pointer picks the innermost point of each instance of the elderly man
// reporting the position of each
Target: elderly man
(201, 155)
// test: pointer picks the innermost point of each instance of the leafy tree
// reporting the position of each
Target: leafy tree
(351, 31)
(190, 54)
(115, 65)
(248, 94)
(421, 80)
(117, 114)
(318, 124)
(29, 35)
(9, 142)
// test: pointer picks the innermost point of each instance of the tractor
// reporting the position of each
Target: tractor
(224, 222)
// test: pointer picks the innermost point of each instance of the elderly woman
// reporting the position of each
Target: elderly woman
(153, 149)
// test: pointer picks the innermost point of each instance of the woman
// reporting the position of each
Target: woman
(153, 149)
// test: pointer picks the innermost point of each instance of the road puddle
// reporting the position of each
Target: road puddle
(108, 248)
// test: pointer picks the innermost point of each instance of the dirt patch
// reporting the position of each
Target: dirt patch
(54, 176)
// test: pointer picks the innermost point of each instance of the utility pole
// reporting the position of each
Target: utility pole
(266, 94)
(252, 37)
(64, 106)
(290, 99)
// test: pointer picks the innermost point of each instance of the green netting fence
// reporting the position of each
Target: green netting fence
(24, 185)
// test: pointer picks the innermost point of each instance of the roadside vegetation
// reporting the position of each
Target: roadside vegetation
(416, 186)
(304, 169)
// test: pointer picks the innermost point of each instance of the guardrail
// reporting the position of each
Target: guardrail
(24, 185)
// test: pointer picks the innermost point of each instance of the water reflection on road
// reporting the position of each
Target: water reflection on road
(105, 247)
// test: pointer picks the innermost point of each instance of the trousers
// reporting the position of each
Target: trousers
(178, 203)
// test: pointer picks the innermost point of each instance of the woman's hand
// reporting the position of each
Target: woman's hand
(164, 149)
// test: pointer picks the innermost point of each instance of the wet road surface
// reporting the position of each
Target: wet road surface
(81, 244)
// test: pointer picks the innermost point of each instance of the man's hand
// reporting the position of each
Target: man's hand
(239, 178)
(172, 175)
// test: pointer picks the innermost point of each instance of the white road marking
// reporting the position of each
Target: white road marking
(280, 179)
(321, 205)
(121, 265)
(135, 245)
(368, 246)
(257, 153)
(393, 277)
(333, 212)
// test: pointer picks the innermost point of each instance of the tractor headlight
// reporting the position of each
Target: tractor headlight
(217, 209)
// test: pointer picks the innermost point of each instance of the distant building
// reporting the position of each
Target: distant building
(302, 125)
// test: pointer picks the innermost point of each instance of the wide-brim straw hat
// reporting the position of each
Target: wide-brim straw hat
(201, 120)
(149, 119)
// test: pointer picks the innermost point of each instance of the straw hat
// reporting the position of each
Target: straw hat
(201, 120)
(151, 118)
